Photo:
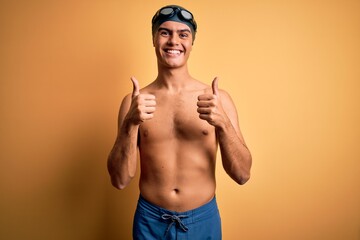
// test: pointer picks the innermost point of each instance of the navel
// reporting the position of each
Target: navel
(146, 133)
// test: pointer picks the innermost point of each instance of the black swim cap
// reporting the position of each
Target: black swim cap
(174, 13)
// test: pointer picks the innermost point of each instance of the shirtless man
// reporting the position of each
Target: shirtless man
(176, 123)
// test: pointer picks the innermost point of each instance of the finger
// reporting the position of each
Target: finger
(204, 110)
(141, 100)
(205, 117)
(148, 97)
(205, 97)
(149, 110)
(150, 103)
(205, 104)
(136, 88)
(214, 86)
(146, 116)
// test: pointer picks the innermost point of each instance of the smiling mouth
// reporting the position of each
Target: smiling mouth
(173, 51)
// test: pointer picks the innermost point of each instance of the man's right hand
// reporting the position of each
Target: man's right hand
(142, 106)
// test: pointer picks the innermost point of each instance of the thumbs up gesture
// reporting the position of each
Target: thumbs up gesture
(142, 106)
(210, 108)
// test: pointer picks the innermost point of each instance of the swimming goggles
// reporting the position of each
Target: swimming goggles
(170, 11)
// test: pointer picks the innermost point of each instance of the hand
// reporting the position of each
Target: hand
(142, 105)
(210, 108)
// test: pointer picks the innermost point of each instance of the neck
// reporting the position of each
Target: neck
(173, 78)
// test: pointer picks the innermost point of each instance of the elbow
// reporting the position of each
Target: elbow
(120, 185)
(118, 180)
(240, 177)
(243, 179)
(239, 170)
(244, 174)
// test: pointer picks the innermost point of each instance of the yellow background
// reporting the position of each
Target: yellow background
(292, 68)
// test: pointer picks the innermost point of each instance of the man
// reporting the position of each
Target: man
(176, 123)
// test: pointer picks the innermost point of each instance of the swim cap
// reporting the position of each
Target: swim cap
(174, 13)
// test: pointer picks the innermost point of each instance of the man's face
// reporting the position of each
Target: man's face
(173, 44)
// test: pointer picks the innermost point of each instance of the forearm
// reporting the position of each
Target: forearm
(123, 157)
(235, 155)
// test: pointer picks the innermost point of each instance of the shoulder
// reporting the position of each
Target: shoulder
(227, 102)
(225, 95)
(126, 100)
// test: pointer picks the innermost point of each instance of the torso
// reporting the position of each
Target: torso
(177, 152)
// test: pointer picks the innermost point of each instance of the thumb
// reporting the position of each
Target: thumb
(136, 87)
(214, 86)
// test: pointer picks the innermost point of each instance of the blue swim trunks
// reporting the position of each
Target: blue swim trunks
(152, 222)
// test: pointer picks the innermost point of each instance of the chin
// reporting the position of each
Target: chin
(174, 64)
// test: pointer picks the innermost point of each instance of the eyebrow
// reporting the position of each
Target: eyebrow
(181, 30)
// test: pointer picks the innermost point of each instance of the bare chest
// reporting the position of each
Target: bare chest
(176, 118)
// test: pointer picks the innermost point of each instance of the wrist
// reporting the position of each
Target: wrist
(129, 126)
(224, 126)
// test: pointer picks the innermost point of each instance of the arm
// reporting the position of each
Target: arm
(123, 156)
(135, 109)
(235, 155)
(219, 110)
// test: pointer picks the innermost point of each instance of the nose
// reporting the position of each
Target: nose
(173, 40)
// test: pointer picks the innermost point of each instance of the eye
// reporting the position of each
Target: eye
(164, 33)
(183, 35)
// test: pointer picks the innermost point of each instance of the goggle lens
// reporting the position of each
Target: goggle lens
(186, 14)
(166, 11)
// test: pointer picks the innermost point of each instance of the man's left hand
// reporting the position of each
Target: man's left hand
(210, 108)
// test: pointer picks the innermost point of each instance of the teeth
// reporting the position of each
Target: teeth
(173, 51)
